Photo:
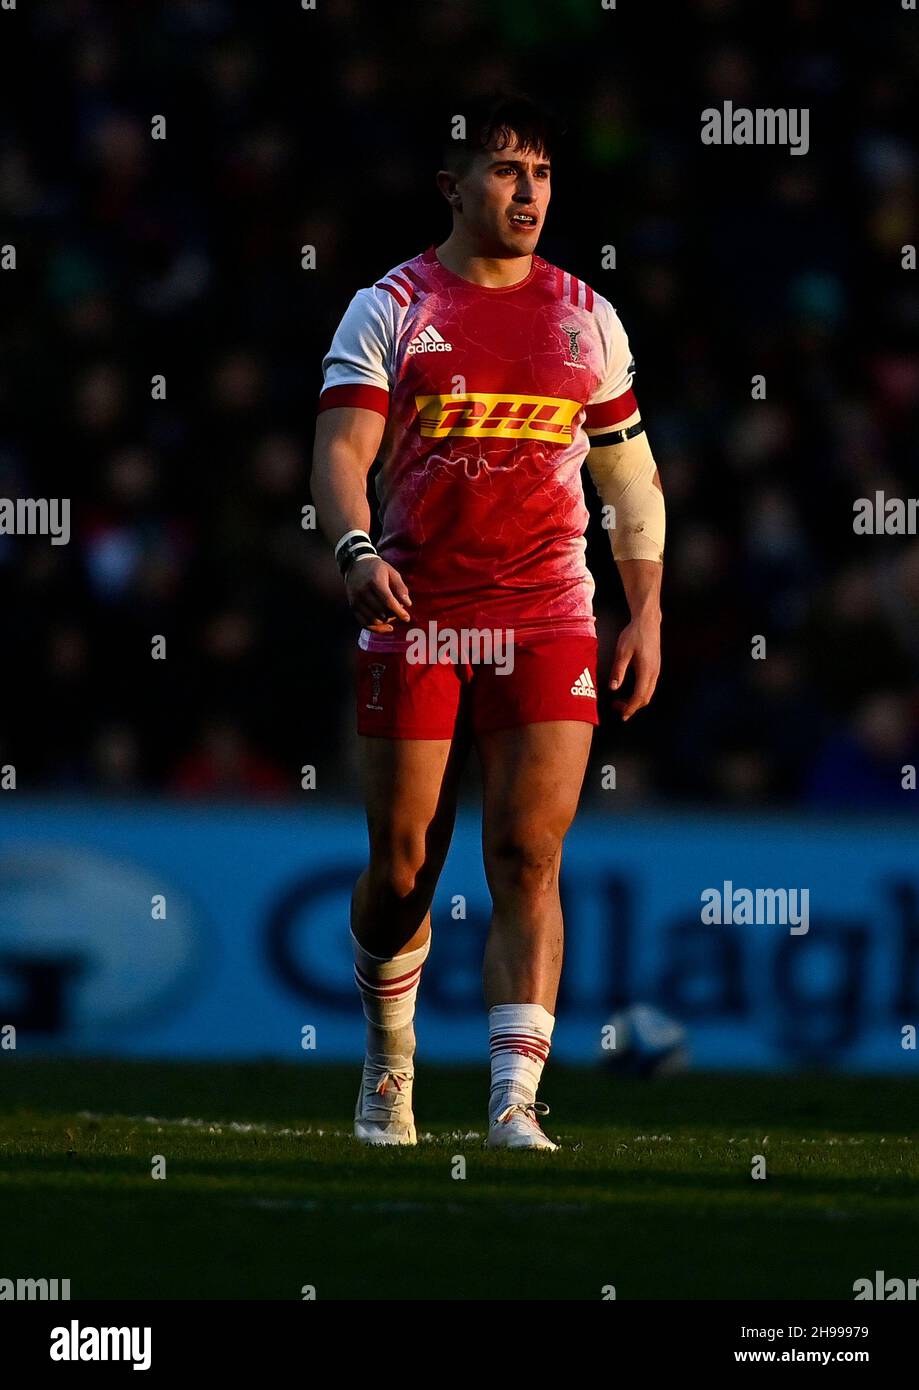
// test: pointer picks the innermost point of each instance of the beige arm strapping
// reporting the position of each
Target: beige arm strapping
(625, 476)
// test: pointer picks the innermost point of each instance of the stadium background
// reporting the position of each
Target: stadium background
(288, 128)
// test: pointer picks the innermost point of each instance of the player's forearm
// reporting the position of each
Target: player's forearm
(339, 490)
(347, 440)
(641, 580)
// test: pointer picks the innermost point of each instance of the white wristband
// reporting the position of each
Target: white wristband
(347, 536)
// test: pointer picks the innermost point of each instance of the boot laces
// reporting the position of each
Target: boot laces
(393, 1098)
(530, 1110)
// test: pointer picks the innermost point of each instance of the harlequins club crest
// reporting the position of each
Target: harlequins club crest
(574, 347)
(376, 674)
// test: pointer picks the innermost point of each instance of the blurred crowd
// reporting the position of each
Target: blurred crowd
(181, 258)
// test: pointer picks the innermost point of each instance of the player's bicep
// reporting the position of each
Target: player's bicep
(349, 431)
(628, 483)
(612, 459)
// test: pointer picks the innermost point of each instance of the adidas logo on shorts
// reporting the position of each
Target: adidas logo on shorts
(429, 340)
(584, 685)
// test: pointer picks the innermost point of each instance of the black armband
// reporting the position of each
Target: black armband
(600, 441)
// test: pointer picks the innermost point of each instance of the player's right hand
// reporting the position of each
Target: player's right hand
(377, 593)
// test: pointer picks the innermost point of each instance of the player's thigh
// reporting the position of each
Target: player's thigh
(532, 777)
(410, 791)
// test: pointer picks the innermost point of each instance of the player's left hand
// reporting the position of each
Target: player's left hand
(639, 646)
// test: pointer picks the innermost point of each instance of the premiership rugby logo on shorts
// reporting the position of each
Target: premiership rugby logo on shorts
(489, 415)
(584, 685)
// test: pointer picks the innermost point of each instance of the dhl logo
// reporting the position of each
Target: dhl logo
(481, 414)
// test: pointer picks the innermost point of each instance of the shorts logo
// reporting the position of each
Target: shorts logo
(491, 415)
(377, 671)
(584, 685)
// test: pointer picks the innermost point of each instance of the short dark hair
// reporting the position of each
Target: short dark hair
(496, 119)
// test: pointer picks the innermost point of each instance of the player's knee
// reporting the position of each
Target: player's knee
(523, 859)
(400, 867)
(397, 878)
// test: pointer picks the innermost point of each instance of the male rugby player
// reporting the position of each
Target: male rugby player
(481, 375)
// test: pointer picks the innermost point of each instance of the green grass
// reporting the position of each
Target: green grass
(652, 1191)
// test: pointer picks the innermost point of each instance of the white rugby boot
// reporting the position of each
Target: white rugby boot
(517, 1127)
(383, 1114)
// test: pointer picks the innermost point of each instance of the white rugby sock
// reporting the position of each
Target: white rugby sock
(388, 987)
(520, 1036)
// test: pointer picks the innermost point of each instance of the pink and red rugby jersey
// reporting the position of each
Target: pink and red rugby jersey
(486, 394)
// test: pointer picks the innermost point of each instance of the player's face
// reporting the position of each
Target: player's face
(504, 196)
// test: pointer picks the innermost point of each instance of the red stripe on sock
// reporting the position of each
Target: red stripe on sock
(390, 979)
(381, 991)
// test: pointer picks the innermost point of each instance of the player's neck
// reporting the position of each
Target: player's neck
(493, 272)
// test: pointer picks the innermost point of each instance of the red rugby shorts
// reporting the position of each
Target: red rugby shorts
(528, 680)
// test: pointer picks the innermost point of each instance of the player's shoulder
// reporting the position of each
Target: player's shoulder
(377, 312)
(570, 289)
(404, 283)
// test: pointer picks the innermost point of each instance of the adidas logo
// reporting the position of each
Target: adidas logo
(584, 685)
(429, 340)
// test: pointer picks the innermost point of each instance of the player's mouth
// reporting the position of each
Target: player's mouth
(523, 221)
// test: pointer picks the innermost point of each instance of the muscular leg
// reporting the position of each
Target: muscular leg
(532, 779)
(410, 789)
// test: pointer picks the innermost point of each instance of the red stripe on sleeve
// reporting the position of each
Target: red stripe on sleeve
(589, 303)
(417, 280)
(405, 285)
(382, 285)
(365, 397)
(610, 412)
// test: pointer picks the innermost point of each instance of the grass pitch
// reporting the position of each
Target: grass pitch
(266, 1193)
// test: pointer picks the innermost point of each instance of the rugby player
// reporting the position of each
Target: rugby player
(482, 376)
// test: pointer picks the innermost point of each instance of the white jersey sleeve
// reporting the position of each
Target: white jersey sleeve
(358, 366)
(613, 399)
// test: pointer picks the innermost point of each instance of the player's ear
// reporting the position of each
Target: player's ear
(446, 182)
